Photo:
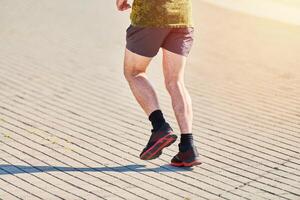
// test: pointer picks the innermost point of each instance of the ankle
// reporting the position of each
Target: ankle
(157, 119)
(186, 142)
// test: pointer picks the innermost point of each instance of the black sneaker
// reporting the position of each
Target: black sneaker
(188, 158)
(159, 139)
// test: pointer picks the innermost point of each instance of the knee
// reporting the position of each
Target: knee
(130, 72)
(173, 85)
(176, 88)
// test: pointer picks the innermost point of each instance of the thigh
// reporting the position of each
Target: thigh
(173, 66)
(135, 63)
(179, 41)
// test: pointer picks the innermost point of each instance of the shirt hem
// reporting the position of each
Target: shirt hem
(163, 25)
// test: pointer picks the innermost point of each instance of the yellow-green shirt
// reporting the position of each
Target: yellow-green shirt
(162, 13)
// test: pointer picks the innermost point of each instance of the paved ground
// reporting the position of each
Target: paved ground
(287, 11)
(70, 128)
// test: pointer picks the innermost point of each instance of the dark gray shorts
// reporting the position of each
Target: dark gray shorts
(146, 41)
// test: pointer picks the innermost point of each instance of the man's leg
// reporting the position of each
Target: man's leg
(135, 73)
(173, 68)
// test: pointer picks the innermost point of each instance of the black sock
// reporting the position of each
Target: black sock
(186, 142)
(157, 119)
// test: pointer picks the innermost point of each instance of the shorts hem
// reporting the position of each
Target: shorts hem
(133, 50)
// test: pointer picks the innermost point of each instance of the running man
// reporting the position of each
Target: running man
(165, 24)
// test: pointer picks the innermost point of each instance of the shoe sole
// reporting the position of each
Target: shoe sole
(155, 151)
(185, 164)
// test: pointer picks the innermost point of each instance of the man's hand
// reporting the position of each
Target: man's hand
(123, 5)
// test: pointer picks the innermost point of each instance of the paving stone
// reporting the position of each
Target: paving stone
(70, 127)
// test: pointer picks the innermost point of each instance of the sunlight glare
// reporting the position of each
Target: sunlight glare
(287, 11)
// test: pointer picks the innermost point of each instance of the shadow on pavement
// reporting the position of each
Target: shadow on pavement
(19, 169)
